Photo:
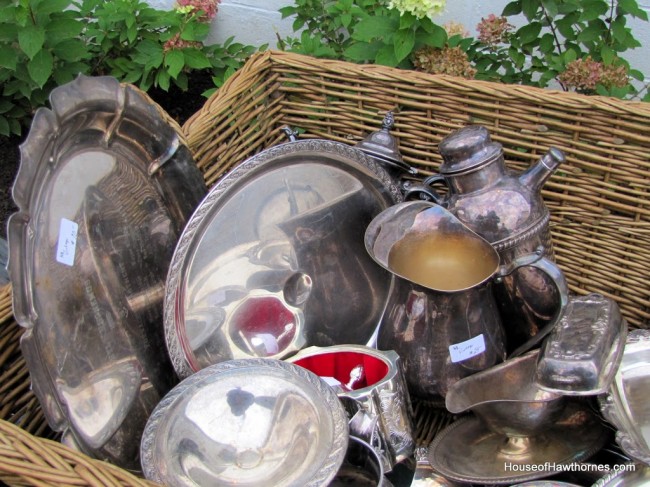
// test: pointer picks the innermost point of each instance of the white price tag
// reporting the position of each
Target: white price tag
(67, 242)
(467, 349)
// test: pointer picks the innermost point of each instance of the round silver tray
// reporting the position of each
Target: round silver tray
(250, 422)
(273, 260)
(103, 190)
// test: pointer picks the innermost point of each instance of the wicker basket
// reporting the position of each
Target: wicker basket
(599, 200)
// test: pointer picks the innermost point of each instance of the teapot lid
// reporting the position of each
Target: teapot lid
(383, 145)
(467, 148)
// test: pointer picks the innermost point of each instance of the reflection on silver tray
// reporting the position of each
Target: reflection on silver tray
(103, 191)
(273, 260)
(250, 422)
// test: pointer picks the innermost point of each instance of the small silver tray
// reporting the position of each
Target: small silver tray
(250, 422)
(582, 354)
(103, 190)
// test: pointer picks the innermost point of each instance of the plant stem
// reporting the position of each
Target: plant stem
(556, 38)
(608, 37)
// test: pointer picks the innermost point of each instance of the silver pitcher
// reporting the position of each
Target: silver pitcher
(507, 210)
(441, 316)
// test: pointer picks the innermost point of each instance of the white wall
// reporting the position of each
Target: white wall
(258, 22)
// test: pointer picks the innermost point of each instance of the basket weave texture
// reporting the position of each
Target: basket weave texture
(600, 209)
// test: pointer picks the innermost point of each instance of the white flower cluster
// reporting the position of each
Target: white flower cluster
(419, 8)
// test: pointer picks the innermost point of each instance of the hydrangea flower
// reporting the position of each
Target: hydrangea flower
(585, 74)
(419, 8)
(455, 28)
(493, 30)
(177, 43)
(448, 60)
(208, 7)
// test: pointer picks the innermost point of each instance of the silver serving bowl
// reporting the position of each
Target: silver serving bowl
(250, 422)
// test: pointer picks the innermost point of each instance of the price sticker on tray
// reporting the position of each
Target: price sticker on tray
(467, 349)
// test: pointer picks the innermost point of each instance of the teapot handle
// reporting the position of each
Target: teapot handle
(425, 191)
(550, 268)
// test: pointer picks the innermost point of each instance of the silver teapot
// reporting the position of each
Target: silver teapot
(506, 208)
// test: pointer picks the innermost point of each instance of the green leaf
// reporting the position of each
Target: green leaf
(346, 19)
(529, 8)
(4, 126)
(547, 43)
(196, 59)
(62, 29)
(636, 74)
(592, 9)
(163, 80)
(591, 33)
(437, 37)
(71, 50)
(551, 7)
(8, 58)
(175, 61)
(386, 56)
(607, 54)
(373, 28)
(619, 31)
(404, 41)
(406, 20)
(632, 7)
(529, 33)
(362, 51)
(51, 6)
(566, 26)
(513, 8)
(569, 55)
(31, 40)
(288, 11)
(40, 67)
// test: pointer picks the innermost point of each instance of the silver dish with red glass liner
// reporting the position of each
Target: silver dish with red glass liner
(273, 259)
(372, 387)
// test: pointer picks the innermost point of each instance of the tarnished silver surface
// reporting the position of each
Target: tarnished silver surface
(425, 475)
(469, 452)
(507, 210)
(249, 422)
(635, 476)
(372, 384)
(446, 329)
(104, 189)
(625, 405)
(382, 146)
(273, 260)
(583, 352)
(546, 483)
(517, 425)
(362, 467)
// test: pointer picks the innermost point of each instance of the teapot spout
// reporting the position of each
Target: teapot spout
(535, 176)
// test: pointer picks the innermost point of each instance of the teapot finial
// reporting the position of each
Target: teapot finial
(389, 121)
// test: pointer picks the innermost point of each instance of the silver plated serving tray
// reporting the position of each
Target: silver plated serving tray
(250, 422)
(625, 404)
(103, 190)
(273, 260)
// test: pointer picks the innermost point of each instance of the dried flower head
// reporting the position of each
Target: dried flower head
(208, 7)
(448, 60)
(455, 28)
(614, 76)
(493, 30)
(177, 43)
(419, 8)
(582, 74)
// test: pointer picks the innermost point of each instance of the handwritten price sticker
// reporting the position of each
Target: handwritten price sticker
(467, 349)
(67, 242)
